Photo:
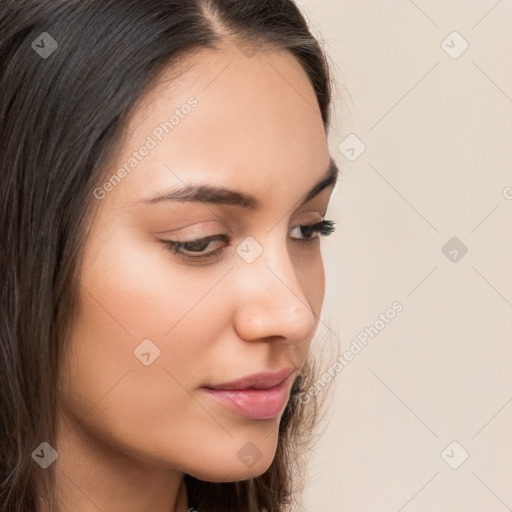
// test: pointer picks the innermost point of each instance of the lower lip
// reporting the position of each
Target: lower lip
(258, 404)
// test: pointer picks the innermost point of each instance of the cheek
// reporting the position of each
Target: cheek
(142, 312)
(151, 412)
(309, 269)
(142, 289)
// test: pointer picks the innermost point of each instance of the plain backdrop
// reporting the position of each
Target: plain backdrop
(421, 417)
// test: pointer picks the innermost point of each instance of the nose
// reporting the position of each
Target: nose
(270, 300)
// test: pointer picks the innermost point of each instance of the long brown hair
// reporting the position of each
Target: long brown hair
(70, 74)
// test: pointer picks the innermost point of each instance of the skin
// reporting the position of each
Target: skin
(128, 432)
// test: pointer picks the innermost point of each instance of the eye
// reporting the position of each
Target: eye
(194, 250)
(323, 228)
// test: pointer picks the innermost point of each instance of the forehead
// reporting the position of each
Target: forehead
(227, 119)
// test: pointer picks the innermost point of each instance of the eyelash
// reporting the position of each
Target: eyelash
(323, 228)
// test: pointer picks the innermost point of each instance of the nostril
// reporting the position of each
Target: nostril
(275, 338)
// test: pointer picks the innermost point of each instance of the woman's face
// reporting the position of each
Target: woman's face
(155, 327)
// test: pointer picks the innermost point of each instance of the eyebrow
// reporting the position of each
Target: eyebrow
(225, 196)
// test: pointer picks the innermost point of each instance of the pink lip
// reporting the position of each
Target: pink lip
(256, 381)
(254, 403)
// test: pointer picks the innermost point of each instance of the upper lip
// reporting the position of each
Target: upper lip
(263, 380)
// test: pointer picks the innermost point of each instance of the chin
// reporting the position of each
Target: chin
(231, 471)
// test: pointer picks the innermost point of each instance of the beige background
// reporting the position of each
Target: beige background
(437, 161)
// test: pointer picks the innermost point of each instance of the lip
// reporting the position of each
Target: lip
(263, 380)
(263, 403)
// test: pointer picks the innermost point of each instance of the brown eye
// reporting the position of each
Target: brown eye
(324, 228)
(187, 249)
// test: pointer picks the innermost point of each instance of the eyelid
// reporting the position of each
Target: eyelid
(207, 229)
(322, 228)
(211, 228)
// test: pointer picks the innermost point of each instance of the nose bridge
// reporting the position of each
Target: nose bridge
(270, 301)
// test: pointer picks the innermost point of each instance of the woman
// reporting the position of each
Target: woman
(165, 177)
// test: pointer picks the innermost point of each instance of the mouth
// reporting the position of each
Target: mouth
(254, 402)
(264, 380)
